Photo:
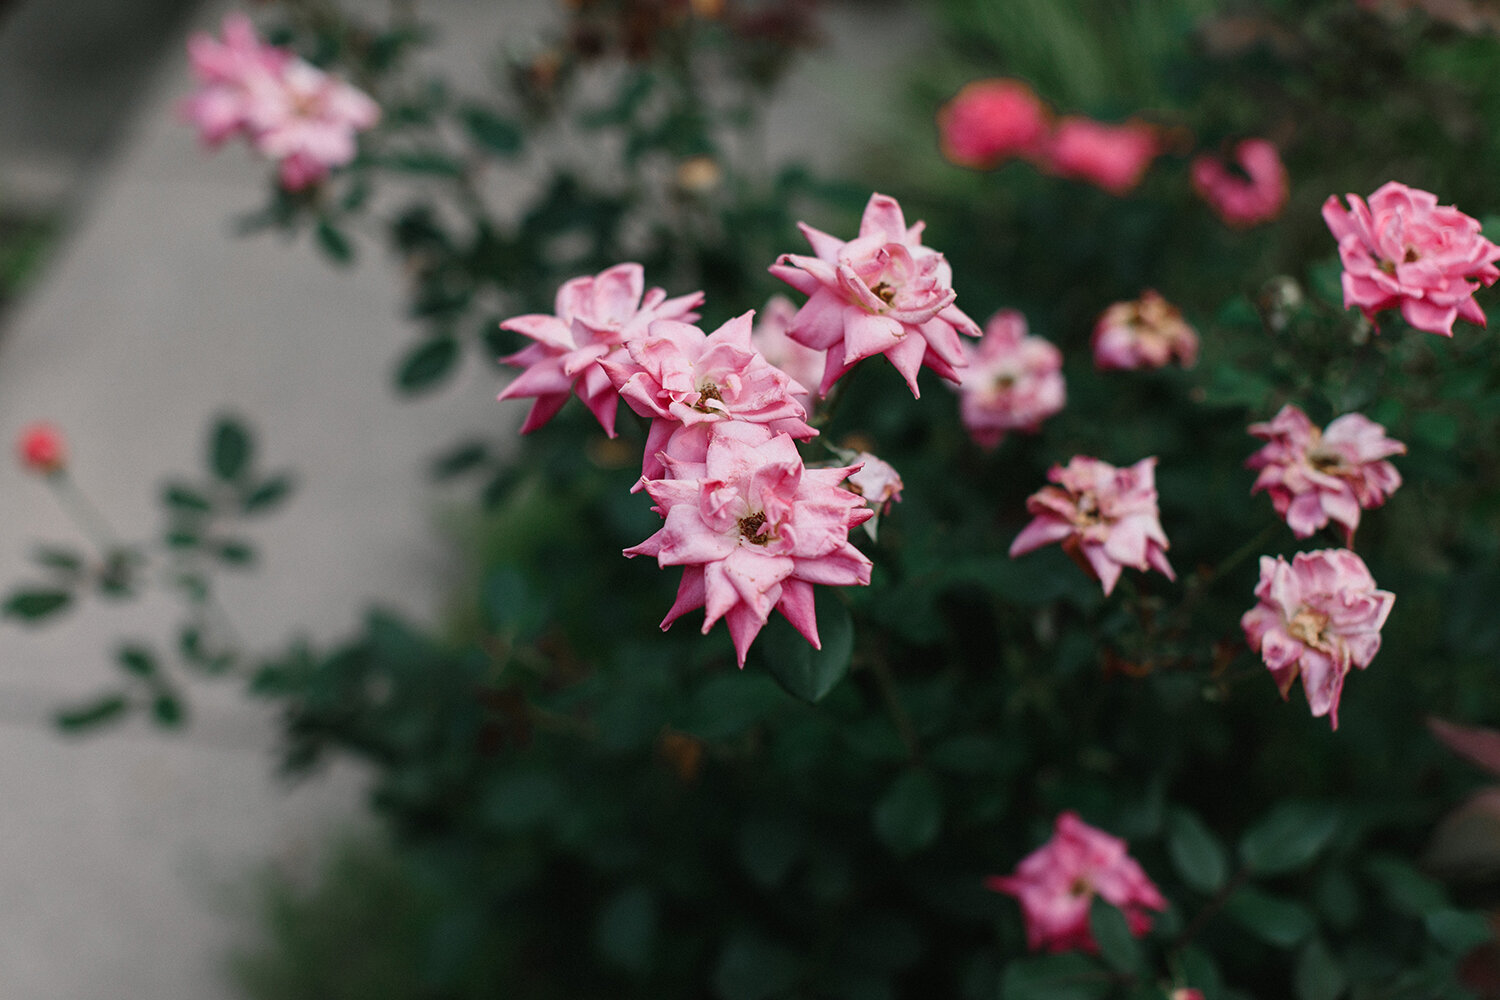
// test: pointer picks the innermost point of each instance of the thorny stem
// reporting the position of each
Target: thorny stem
(84, 514)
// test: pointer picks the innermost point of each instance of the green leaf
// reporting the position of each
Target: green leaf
(459, 459)
(334, 244)
(167, 711)
(230, 449)
(1055, 977)
(90, 714)
(268, 495)
(59, 559)
(1318, 976)
(137, 660)
(626, 929)
(490, 131)
(185, 498)
(910, 813)
(752, 968)
(1459, 931)
(235, 552)
(425, 161)
(427, 364)
(34, 605)
(1197, 854)
(1112, 933)
(1288, 837)
(805, 672)
(768, 849)
(1275, 921)
(522, 799)
(1408, 889)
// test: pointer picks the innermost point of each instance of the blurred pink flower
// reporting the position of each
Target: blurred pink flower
(1147, 333)
(1106, 518)
(1249, 190)
(990, 121)
(803, 364)
(1318, 616)
(287, 108)
(754, 530)
(1315, 476)
(1112, 157)
(685, 381)
(1012, 382)
(880, 293)
(594, 318)
(1403, 250)
(42, 448)
(1056, 885)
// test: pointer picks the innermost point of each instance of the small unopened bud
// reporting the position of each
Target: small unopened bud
(41, 448)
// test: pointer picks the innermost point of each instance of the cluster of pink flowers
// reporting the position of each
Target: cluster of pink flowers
(1146, 333)
(1106, 519)
(1402, 250)
(1248, 188)
(289, 110)
(882, 292)
(1314, 476)
(751, 525)
(1319, 616)
(991, 121)
(1013, 381)
(1056, 885)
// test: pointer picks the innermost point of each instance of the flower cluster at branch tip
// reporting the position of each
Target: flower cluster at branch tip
(1314, 476)
(1056, 885)
(991, 121)
(754, 530)
(594, 318)
(40, 447)
(288, 109)
(1319, 616)
(1248, 189)
(1013, 381)
(1402, 250)
(1112, 157)
(880, 293)
(1106, 518)
(686, 381)
(1146, 333)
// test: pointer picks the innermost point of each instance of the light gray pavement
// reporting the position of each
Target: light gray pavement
(115, 849)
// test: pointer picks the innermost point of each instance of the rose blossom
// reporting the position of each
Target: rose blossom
(753, 530)
(801, 363)
(287, 108)
(41, 448)
(686, 381)
(1247, 197)
(1403, 250)
(990, 121)
(593, 319)
(1105, 518)
(1146, 333)
(1317, 617)
(1315, 476)
(1056, 885)
(1012, 382)
(880, 293)
(876, 480)
(1112, 157)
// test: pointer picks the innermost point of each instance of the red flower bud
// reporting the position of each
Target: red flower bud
(41, 448)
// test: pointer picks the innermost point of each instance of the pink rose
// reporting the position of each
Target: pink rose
(1250, 191)
(1403, 250)
(1012, 382)
(1112, 157)
(594, 318)
(990, 121)
(686, 381)
(1056, 885)
(1318, 616)
(754, 530)
(880, 293)
(1105, 518)
(1147, 333)
(876, 480)
(1314, 476)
